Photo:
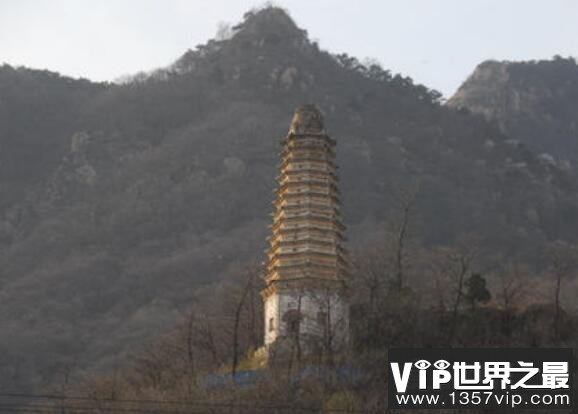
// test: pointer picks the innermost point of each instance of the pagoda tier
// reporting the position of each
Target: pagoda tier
(307, 234)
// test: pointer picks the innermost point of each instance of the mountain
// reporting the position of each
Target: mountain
(530, 101)
(123, 203)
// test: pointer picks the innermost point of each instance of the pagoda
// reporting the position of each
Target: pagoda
(306, 292)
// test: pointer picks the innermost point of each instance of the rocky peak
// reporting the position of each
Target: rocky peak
(269, 21)
(483, 91)
(533, 101)
(266, 36)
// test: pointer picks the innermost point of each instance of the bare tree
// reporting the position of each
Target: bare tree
(190, 352)
(510, 290)
(455, 264)
(563, 258)
(204, 339)
(250, 280)
(370, 271)
(400, 225)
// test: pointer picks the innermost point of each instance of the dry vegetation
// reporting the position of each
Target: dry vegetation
(448, 297)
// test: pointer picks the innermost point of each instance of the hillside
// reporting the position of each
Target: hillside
(152, 189)
(39, 111)
(531, 101)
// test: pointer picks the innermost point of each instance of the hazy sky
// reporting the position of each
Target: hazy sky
(436, 42)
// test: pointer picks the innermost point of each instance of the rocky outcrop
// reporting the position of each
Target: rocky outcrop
(529, 101)
(76, 170)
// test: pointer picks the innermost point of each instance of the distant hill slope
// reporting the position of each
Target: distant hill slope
(534, 102)
(39, 111)
(155, 187)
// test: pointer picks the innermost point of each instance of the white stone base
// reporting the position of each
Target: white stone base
(308, 315)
